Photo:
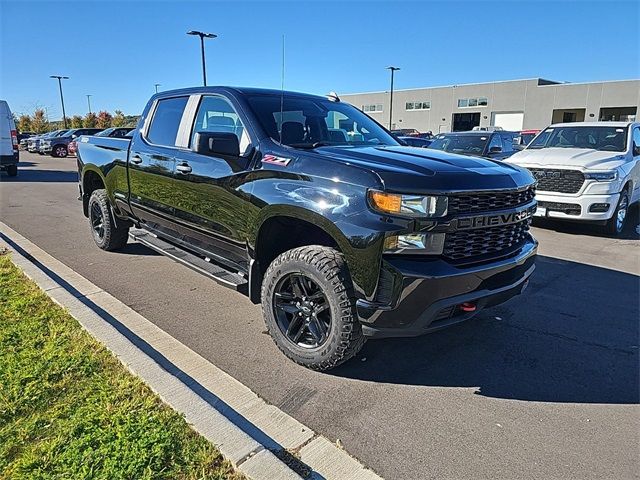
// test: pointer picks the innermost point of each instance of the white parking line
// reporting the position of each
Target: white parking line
(257, 438)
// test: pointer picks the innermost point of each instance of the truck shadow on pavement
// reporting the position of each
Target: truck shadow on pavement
(571, 337)
(34, 175)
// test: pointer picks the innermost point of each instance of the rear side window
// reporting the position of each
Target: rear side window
(166, 121)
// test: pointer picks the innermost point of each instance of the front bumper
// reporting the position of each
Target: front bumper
(575, 207)
(432, 292)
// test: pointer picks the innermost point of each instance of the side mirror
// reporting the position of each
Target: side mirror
(495, 150)
(74, 136)
(217, 143)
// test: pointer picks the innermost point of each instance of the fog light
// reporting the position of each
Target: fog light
(416, 243)
(599, 207)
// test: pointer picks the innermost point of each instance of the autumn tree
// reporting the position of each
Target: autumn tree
(90, 120)
(119, 120)
(104, 120)
(76, 121)
(39, 122)
(24, 123)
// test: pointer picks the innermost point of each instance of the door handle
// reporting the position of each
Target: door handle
(183, 168)
(136, 159)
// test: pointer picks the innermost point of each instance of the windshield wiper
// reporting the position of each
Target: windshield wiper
(311, 146)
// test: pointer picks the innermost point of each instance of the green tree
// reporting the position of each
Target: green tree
(39, 122)
(24, 123)
(89, 120)
(104, 119)
(119, 119)
(76, 121)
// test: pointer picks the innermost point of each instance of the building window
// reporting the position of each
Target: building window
(372, 108)
(472, 102)
(417, 105)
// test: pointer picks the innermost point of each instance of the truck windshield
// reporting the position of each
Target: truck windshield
(462, 144)
(613, 139)
(305, 122)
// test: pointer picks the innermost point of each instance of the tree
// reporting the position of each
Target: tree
(39, 122)
(24, 123)
(76, 121)
(119, 120)
(104, 120)
(90, 120)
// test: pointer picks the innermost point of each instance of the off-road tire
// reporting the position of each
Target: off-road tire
(12, 170)
(612, 228)
(327, 268)
(114, 235)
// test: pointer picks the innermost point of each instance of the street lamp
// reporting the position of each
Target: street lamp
(157, 85)
(202, 36)
(60, 78)
(393, 69)
(89, 102)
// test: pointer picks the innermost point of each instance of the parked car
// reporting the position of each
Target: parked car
(57, 146)
(9, 154)
(23, 138)
(586, 171)
(116, 132)
(405, 132)
(248, 187)
(496, 145)
(33, 145)
(415, 141)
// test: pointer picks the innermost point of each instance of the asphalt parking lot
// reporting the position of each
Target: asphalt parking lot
(545, 386)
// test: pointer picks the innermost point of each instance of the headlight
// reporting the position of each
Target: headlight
(602, 176)
(412, 205)
(418, 243)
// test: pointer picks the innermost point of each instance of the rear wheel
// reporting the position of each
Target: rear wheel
(12, 170)
(616, 223)
(310, 308)
(107, 234)
(59, 151)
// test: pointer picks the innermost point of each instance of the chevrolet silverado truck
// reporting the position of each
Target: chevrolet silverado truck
(586, 171)
(339, 237)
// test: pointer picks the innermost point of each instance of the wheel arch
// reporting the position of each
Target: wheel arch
(92, 179)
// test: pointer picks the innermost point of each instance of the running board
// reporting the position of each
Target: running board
(217, 273)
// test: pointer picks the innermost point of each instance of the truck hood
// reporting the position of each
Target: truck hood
(568, 157)
(422, 169)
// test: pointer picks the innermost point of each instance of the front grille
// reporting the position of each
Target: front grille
(480, 242)
(568, 208)
(556, 180)
(487, 201)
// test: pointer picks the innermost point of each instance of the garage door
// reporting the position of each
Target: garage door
(511, 121)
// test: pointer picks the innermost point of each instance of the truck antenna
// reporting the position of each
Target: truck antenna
(282, 92)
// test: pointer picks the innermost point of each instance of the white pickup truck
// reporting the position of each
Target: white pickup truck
(586, 171)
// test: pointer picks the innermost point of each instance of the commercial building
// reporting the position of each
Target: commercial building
(512, 105)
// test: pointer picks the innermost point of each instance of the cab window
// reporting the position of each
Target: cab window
(215, 114)
(166, 121)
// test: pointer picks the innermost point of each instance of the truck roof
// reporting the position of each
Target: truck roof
(238, 90)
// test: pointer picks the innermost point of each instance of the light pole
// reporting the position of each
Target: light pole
(393, 69)
(202, 36)
(89, 102)
(157, 85)
(60, 78)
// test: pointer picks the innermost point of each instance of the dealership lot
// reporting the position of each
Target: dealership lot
(541, 388)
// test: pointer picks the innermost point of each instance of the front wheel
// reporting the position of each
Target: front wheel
(59, 151)
(309, 307)
(616, 223)
(107, 234)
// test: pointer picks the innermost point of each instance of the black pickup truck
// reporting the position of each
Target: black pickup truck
(311, 208)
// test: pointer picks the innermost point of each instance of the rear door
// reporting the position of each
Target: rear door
(151, 165)
(214, 208)
(6, 125)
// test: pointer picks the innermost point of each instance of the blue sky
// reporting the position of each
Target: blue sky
(117, 50)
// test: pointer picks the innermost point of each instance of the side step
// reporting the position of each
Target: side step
(215, 272)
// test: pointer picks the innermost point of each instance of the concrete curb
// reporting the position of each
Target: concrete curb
(254, 436)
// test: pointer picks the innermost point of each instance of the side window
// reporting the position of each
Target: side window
(166, 121)
(636, 141)
(495, 142)
(215, 114)
(507, 142)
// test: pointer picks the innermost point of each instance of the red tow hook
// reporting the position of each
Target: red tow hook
(468, 307)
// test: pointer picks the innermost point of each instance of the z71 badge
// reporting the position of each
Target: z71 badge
(276, 160)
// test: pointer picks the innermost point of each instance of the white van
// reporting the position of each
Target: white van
(8, 141)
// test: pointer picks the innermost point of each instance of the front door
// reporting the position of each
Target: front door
(214, 208)
(151, 166)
